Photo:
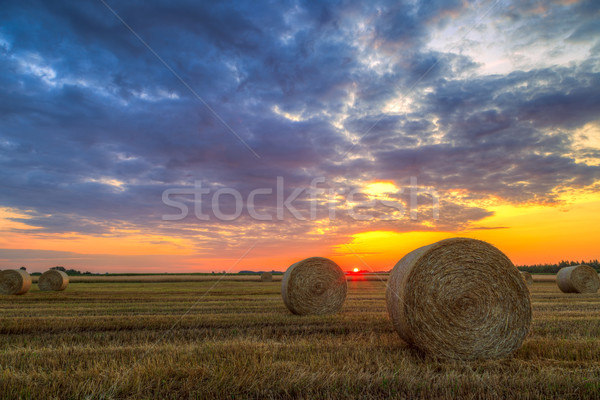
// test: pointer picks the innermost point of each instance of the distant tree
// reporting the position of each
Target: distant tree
(59, 268)
(23, 268)
(73, 272)
(554, 268)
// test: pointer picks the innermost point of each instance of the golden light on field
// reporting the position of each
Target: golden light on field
(568, 337)
(338, 142)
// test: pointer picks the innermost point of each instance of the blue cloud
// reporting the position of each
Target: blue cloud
(94, 127)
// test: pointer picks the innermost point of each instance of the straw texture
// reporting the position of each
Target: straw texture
(459, 298)
(527, 277)
(315, 285)
(53, 280)
(14, 281)
(578, 279)
(266, 277)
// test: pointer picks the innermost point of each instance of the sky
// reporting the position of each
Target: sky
(160, 136)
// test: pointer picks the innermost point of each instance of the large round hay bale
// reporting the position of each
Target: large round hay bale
(14, 281)
(315, 285)
(578, 279)
(527, 277)
(53, 280)
(459, 298)
(266, 277)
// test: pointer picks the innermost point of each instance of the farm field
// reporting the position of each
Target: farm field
(187, 278)
(235, 339)
(134, 278)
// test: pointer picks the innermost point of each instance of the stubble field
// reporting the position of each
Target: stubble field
(235, 339)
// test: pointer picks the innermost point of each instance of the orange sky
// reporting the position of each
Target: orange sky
(527, 234)
(494, 111)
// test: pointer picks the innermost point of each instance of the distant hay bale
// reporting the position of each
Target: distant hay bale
(578, 279)
(266, 277)
(314, 286)
(459, 298)
(14, 281)
(53, 280)
(527, 277)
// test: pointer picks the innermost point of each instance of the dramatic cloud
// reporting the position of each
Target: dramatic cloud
(493, 99)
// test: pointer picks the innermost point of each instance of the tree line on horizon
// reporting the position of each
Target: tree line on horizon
(553, 268)
(534, 268)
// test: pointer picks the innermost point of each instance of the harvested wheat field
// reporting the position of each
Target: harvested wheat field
(155, 278)
(237, 340)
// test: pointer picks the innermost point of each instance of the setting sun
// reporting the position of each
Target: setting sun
(355, 269)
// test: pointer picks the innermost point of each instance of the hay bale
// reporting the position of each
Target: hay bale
(527, 277)
(266, 277)
(315, 286)
(459, 298)
(14, 281)
(578, 279)
(53, 280)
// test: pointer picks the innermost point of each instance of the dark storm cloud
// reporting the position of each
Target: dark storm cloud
(94, 128)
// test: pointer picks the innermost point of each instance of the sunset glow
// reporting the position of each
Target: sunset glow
(272, 137)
